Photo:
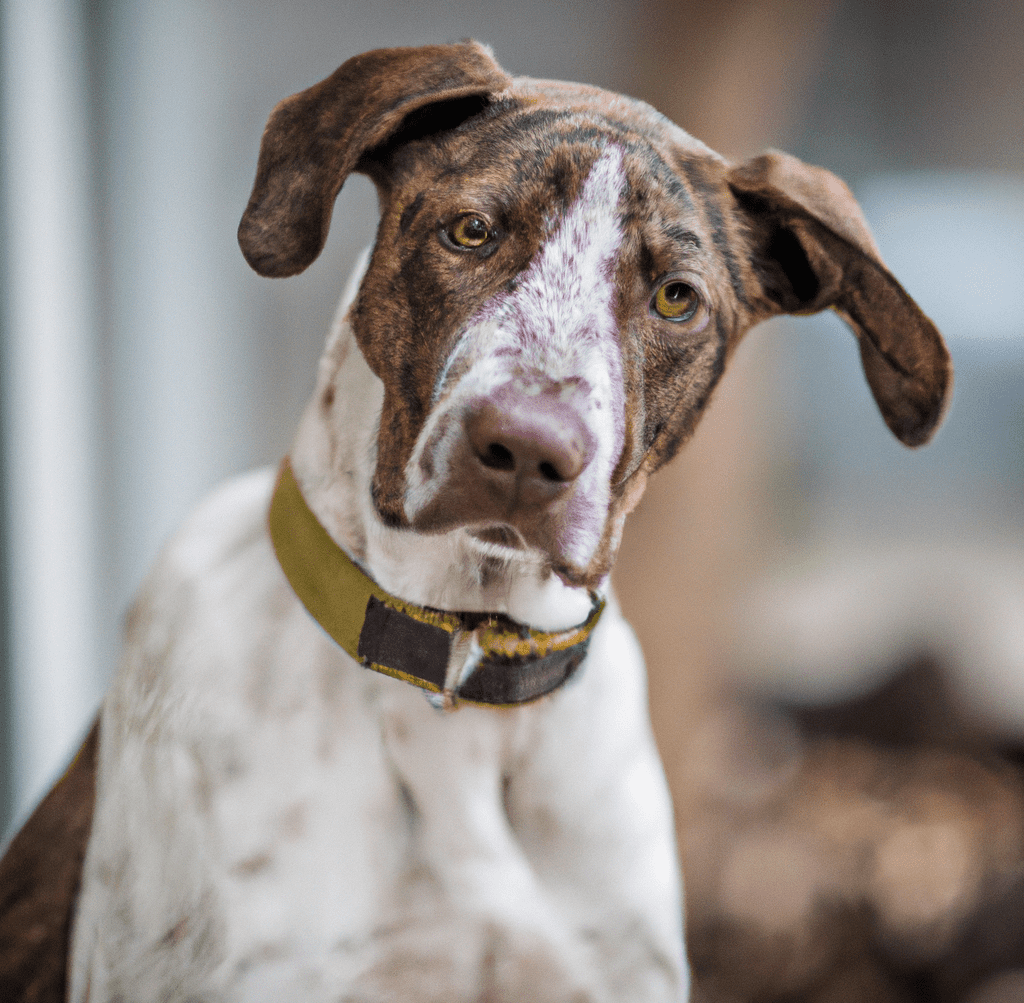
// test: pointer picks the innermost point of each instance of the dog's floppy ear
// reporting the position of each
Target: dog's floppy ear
(314, 139)
(812, 249)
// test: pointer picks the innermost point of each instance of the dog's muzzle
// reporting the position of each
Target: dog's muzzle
(513, 464)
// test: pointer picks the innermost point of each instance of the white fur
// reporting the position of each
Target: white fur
(276, 823)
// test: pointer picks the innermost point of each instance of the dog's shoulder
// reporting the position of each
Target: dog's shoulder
(222, 526)
(214, 603)
(220, 554)
(41, 868)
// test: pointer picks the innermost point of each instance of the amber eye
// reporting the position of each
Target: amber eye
(676, 300)
(469, 230)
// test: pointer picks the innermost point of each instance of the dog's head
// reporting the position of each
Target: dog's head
(559, 277)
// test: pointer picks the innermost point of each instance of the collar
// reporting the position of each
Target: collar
(477, 657)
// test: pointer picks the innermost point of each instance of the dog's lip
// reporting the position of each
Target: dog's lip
(498, 534)
(503, 541)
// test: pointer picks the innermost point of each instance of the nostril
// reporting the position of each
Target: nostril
(525, 438)
(498, 457)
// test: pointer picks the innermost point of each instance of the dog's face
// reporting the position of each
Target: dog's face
(545, 308)
(559, 277)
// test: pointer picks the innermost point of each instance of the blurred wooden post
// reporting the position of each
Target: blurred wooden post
(732, 74)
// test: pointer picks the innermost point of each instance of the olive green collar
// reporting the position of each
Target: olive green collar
(478, 657)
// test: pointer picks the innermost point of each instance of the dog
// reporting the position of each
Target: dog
(390, 740)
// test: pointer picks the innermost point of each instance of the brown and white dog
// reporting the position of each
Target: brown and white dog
(559, 278)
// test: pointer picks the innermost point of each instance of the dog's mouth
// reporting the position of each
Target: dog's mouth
(499, 535)
(504, 543)
(563, 535)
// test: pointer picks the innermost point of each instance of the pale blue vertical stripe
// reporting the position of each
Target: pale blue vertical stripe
(49, 388)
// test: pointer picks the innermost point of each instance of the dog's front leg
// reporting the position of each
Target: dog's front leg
(489, 908)
(541, 838)
(590, 806)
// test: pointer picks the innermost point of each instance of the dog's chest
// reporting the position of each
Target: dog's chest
(275, 822)
(343, 860)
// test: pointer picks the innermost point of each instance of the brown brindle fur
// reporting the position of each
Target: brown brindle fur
(769, 236)
(521, 163)
(39, 879)
(313, 140)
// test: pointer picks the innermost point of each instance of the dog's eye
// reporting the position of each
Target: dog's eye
(676, 300)
(469, 231)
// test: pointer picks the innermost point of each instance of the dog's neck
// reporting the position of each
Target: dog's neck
(333, 458)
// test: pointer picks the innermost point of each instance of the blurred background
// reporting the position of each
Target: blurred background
(834, 624)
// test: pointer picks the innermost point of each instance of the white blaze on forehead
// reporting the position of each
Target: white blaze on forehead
(564, 300)
(570, 283)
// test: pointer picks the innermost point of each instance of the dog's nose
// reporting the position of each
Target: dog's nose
(532, 438)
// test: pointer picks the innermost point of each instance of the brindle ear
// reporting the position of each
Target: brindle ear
(314, 139)
(812, 250)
